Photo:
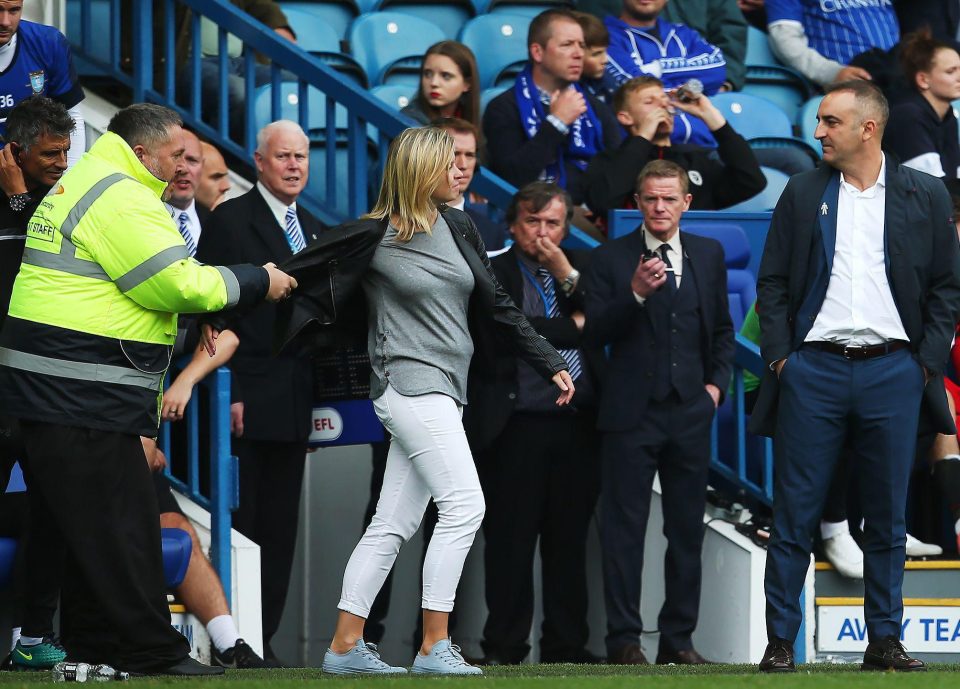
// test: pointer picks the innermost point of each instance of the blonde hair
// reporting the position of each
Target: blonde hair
(418, 160)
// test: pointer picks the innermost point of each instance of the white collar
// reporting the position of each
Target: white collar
(653, 244)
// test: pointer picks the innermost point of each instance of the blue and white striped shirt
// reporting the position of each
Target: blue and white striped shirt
(840, 29)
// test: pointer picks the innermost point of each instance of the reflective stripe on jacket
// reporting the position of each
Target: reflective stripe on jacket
(93, 315)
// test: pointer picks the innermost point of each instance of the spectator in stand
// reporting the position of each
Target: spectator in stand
(923, 127)
(35, 60)
(266, 224)
(596, 38)
(466, 139)
(545, 127)
(538, 463)
(721, 23)
(821, 40)
(718, 178)
(941, 17)
(214, 182)
(642, 42)
(448, 85)
(658, 298)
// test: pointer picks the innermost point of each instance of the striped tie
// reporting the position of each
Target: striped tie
(183, 222)
(293, 232)
(572, 356)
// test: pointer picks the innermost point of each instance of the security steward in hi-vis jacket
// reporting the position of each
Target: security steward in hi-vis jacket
(83, 353)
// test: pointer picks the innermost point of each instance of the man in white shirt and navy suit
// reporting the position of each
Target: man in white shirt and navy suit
(858, 297)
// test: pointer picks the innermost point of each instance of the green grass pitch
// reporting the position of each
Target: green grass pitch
(564, 677)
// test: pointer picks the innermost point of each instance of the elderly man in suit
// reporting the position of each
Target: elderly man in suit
(537, 463)
(265, 224)
(858, 296)
(658, 299)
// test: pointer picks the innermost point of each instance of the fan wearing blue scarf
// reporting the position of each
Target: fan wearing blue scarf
(584, 135)
(547, 127)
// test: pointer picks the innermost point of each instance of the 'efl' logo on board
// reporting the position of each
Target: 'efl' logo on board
(327, 424)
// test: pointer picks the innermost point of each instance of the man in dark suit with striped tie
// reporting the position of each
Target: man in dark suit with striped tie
(537, 462)
(277, 390)
(658, 298)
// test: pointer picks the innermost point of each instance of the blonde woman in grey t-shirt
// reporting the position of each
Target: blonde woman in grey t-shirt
(424, 285)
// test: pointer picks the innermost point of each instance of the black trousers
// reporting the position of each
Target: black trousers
(98, 497)
(540, 480)
(674, 439)
(271, 478)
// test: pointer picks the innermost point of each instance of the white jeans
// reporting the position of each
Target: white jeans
(429, 457)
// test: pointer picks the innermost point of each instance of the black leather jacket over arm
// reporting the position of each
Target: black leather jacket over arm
(329, 307)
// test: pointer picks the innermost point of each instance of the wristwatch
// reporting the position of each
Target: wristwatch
(569, 283)
(18, 202)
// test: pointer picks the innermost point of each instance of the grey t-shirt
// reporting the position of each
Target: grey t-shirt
(417, 296)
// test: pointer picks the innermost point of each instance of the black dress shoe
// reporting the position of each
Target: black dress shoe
(188, 667)
(889, 654)
(628, 655)
(778, 657)
(687, 657)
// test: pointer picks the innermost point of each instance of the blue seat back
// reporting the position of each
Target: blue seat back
(336, 16)
(177, 546)
(488, 95)
(449, 16)
(499, 42)
(807, 121)
(767, 199)
(741, 293)
(390, 45)
(753, 117)
(736, 246)
(290, 109)
(396, 95)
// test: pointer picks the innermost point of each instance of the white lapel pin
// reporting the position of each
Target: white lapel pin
(824, 209)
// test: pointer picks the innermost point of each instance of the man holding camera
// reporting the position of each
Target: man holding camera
(658, 299)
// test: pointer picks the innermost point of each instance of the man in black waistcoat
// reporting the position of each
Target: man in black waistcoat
(537, 462)
(658, 299)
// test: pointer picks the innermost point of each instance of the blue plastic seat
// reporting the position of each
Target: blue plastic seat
(449, 16)
(807, 121)
(767, 199)
(100, 44)
(390, 46)
(768, 78)
(177, 547)
(736, 246)
(319, 38)
(488, 95)
(316, 123)
(500, 43)
(760, 122)
(396, 96)
(335, 15)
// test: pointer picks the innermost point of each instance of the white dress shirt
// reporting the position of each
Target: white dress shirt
(858, 308)
(277, 207)
(193, 221)
(675, 253)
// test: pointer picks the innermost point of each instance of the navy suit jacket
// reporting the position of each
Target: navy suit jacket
(615, 319)
(923, 270)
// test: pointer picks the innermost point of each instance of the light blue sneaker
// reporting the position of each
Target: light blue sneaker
(363, 659)
(444, 659)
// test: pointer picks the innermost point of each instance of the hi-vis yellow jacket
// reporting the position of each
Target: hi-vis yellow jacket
(93, 316)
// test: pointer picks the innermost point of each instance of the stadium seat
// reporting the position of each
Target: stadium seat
(767, 199)
(807, 121)
(736, 246)
(449, 15)
(336, 15)
(177, 547)
(500, 43)
(488, 95)
(316, 123)
(396, 96)
(761, 122)
(390, 46)
(527, 8)
(320, 39)
(768, 78)
(100, 46)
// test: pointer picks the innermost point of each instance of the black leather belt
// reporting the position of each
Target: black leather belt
(858, 352)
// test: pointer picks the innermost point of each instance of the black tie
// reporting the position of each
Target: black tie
(671, 276)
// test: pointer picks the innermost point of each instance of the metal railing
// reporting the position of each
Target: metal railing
(223, 478)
